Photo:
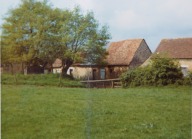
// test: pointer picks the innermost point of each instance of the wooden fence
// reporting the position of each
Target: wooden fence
(109, 83)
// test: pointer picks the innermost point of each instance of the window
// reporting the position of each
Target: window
(102, 73)
(111, 71)
(184, 70)
(94, 74)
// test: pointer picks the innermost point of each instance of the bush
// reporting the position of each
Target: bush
(166, 70)
(137, 77)
(162, 71)
(188, 79)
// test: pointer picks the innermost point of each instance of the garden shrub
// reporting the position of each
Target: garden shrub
(165, 70)
(188, 79)
(161, 71)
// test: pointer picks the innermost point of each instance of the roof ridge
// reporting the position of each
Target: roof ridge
(176, 38)
(138, 39)
(177, 48)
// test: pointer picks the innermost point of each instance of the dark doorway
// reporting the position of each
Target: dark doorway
(94, 74)
(71, 72)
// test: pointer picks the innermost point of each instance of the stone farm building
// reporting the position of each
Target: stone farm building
(57, 66)
(179, 49)
(122, 55)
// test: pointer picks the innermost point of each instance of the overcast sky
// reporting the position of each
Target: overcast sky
(152, 20)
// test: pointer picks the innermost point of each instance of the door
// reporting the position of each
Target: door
(102, 74)
(94, 74)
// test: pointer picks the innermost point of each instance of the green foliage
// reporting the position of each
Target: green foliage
(161, 71)
(188, 79)
(83, 38)
(166, 70)
(46, 112)
(35, 30)
(28, 32)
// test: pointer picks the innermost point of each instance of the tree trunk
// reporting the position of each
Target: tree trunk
(66, 66)
(11, 68)
(22, 67)
(25, 66)
(65, 69)
(25, 71)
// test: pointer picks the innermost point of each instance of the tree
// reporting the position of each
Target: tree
(82, 39)
(37, 33)
(28, 33)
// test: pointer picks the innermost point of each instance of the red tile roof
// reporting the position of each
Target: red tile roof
(57, 63)
(176, 48)
(122, 52)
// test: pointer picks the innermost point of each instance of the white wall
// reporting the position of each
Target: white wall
(81, 72)
(57, 70)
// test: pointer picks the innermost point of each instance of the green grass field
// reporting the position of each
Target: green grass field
(40, 80)
(42, 112)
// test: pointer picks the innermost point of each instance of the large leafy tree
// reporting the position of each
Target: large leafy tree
(28, 33)
(82, 39)
(36, 32)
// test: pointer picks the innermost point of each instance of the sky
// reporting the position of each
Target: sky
(152, 20)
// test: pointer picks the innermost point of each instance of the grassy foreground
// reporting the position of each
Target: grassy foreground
(39, 112)
(40, 79)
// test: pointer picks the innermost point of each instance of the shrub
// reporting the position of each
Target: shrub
(166, 70)
(161, 71)
(188, 79)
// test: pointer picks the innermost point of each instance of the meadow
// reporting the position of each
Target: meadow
(40, 80)
(39, 112)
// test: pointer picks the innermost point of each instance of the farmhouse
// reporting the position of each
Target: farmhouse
(57, 66)
(122, 55)
(179, 49)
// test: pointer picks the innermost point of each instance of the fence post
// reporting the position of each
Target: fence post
(112, 82)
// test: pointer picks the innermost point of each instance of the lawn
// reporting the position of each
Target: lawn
(40, 80)
(42, 112)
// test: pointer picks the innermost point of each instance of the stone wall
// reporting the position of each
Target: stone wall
(114, 72)
(186, 63)
(141, 55)
(84, 73)
(93, 73)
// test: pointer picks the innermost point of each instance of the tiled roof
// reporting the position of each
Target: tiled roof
(122, 52)
(57, 63)
(176, 48)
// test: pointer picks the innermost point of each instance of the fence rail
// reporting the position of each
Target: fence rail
(108, 83)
